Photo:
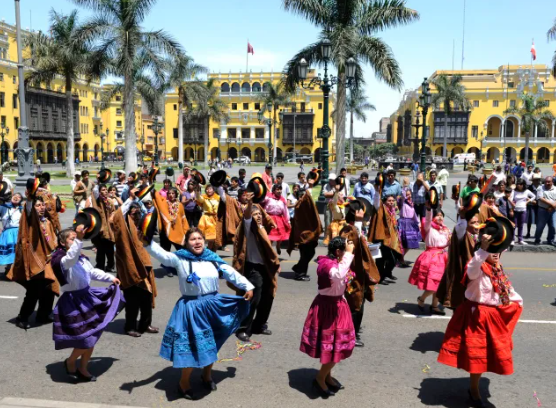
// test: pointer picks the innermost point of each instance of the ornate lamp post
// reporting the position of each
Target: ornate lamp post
(102, 136)
(424, 103)
(326, 84)
(415, 141)
(157, 127)
(269, 122)
(5, 132)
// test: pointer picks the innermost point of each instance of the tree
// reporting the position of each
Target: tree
(551, 36)
(214, 108)
(449, 92)
(117, 32)
(351, 27)
(277, 96)
(357, 104)
(62, 55)
(533, 115)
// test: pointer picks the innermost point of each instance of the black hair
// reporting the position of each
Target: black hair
(335, 244)
(276, 187)
(343, 169)
(432, 172)
(300, 193)
(472, 179)
(391, 171)
(167, 180)
(236, 179)
(364, 174)
(437, 211)
(280, 175)
(350, 217)
(520, 182)
(255, 208)
(489, 195)
(385, 198)
(132, 174)
(101, 186)
(301, 173)
(84, 173)
(242, 171)
(508, 190)
(176, 192)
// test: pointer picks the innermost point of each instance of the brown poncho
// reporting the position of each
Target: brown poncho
(50, 203)
(363, 265)
(35, 244)
(133, 263)
(306, 225)
(174, 225)
(382, 229)
(105, 209)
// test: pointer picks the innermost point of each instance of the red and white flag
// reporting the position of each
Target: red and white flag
(533, 51)
(250, 49)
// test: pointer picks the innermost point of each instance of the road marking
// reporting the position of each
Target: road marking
(530, 269)
(8, 297)
(449, 317)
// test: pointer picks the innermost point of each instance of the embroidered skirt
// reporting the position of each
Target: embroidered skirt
(8, 240)
(199, 326)
(428, 269)
(478, 338)
(409, 233)
(80, 316)
(328, 333)
(282, 230)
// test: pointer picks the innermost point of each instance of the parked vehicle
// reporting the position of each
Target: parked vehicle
(243, 160)
(307, 158)
(460, 158)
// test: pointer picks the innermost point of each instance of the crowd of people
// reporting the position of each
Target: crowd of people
(367, 233)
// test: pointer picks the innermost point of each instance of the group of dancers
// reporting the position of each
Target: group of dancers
(461, 270)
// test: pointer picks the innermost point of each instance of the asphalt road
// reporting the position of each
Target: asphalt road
(396, 368)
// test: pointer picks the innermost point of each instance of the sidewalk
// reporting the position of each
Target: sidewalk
(36, 403)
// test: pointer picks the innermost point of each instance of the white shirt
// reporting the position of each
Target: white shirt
(208, 274)
(528, 177)
(10, 217)
(285, 189)
(8, 182)
(498, 177)
(521, 198)
(253, 255)
(443, 177)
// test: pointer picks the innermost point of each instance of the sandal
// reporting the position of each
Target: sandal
(437, 311)
(419, 300)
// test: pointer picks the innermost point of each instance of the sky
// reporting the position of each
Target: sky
(215, 34)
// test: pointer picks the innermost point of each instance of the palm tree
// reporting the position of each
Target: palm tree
(449, 92)
(277, 96)
(351, 27)
(62, 55)
(533, 115)
(357, 104)
(551, 35)
(116, 29)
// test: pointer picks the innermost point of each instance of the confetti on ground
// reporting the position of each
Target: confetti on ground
(240, 349)
(537, 398)
(426, 368)
(549, 286)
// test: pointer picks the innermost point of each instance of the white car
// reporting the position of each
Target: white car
(243, 160)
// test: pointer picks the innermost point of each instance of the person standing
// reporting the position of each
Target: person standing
(521, 199)
(434, 182)
(408, 224)
(533, 207)
(418, 194)
(528, 175)
(443, 175)
(547, 213)
(241, 179)
(207, 224)
(267, 177)
(391, 185)
(328, 192)
(276, 206)
(285, 186)
(363, 188)
(10, 215)
(189, 200)
(103, 242)
(183, 179)
(120, 183)
(347, 183)
(464, 164)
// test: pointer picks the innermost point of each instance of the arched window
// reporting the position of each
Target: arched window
(235, 87)
(225, 87)
(266, 86)
(246, 87)
(256, 87)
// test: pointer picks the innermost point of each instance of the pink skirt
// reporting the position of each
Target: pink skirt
(328, 333)
(429, 268)
(282, 230)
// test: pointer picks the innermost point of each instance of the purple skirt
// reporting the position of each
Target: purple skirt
(409, 233)
(81, 316)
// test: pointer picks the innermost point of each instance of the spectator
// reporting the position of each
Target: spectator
(528, 175)
(518, 170)
(499, 176)
(433, 182)
(181, 182)
(364, 189)
(120, 183)
(500, 191)
(8, 182)
(505, 204)
(233, 190)
(292, 200)
(242, 182)
(533, 207)
(547, 215)
(285, 186)
(522, 197)
(267, 177)
(347, 182)
(391, 185)
(367, 164)
(302, 181)
(507, 168)
(76, 179)
(443, 175)
(415, 170)
(189, 200)
(418, 192)
(167, 185)
(301, 167)
(389, 167)
(464, 164)
(328, 191)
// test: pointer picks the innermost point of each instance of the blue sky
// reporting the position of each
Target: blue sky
(215, 33)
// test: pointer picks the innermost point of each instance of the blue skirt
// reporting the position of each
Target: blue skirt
(409, 233)
(199, 326)
(8, 240)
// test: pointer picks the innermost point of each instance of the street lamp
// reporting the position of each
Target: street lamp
(102, 137)
(424, 103)
(5, 132)
(417, 125)
(157, 127)
(268, 122)
(326, 84)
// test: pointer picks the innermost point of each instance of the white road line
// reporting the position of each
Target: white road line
(449, 317)
(8, 297)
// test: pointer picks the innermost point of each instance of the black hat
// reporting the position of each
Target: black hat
(268, 166)
(218, 178)
(432, 197)
(361, 203)
(45, 176)
(471, 204)
(341, 181)
(169, 172)
(258, 187)
(136, 177)
(104, 176)
(502, 232)
(4, 188)
(455, 191)
(152, 174)
(90, 218)
(147, 226)
(32, 186)
(379, 181)
(199, 178)
(314, 175)
(143, 191)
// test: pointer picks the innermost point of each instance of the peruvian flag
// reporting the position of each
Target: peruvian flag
(250, 49)
(533, 51)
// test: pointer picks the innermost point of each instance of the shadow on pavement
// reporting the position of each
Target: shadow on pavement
(410, 308)
(167, 380)
(116, 327)
(431, 341)
(301, 379)
(451, 392)
(97, 366)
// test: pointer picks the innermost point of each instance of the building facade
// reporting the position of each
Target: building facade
(243, 135)
(485, 127)
(383, 124)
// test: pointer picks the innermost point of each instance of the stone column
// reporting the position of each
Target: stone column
(535, 131)
(252, 136)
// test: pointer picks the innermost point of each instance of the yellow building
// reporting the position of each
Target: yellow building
(243, 135)
(485, 127)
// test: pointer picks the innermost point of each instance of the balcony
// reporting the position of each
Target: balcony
(50, 135)
(449, 140)
(299, 121)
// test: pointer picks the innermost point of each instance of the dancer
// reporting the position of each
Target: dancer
(103, 242)
(82, 313)
(478, 338)
(276, 206)
(255, 259)
(207, 224)
(328, 333)
(172, 220)
(408, 224)
(49, 202)
(10, 214)
(336, 207)
(189, 200)
(202, 319)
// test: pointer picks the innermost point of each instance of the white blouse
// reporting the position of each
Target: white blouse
(79, 271)
(10, 217)
(207, 273)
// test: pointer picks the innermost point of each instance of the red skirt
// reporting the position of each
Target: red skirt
(328, 333)
(428, 269)
(282, 230)
(478, 338)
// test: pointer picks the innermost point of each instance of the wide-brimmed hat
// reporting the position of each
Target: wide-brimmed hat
(135, 178)
(4, 190)
(144, 191)
(104, 176)
(199, 178)
(361, 203)
(218, 178)
(432, 197)
(147, 226)
(455, 191)
(169, 172)
(152, 174)
(471, 204)
(258, 187)
(45, 176)
(502, 232)
(314, 175)
(340, 181)
(91, 220)
(379, 181)
(32, 186)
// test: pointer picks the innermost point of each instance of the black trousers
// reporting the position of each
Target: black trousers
(262, 300)
(306, 254)
(387, 262)
(137, 300)
(37, 290)
(420, 210)
(105, 253)
(166, 244)
(193, 218)
(357, 318)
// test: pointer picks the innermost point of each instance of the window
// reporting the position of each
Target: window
(16, 123)
(302, 106)
(225, 87)
(95, 95)
(245, 133)
(95, 130)
(216, 133)
(320, 105)
(14, 101)
(511, 84)
(118, 123)
(234, 106)
(232, 133)
(259, 133)
(118, 98)
(475, 131)
(175, 133)
(175, 106)
(475, 104)
(257, 106)
(118, 111)
(14, 79)
(547, 103)
(235, 87)
(256, 87)
(494, 104)
(512, 104)
(246, 106)
(1, 77)
(3, 120)
(2, 100)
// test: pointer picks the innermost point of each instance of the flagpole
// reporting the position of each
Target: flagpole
(247, 59)
(532, 42)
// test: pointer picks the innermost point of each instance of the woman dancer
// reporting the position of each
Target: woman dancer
(275, 205)
(10, 214)
(328, 333)
(202, 319)
(429, 267)
(408, 224)
(82, 313)
(207, 224)
(104, 242)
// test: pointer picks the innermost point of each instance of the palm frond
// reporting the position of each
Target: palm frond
(551, 33)
(290, 76)
(379, 56)
(109, 93)
(316, 11)
(379, 15)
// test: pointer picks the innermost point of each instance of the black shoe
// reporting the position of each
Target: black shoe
(303, 278)
(22, 325)
(264, 331)
(383, 282)
(133, 333)
(437, 311)
(83, 378)
(393, 278)
(152, 330)
(421, 308)
(359, 343)
(208, 385)
(243, 336)
(188, 395)
(68, 372)
(476, 403)
(322, 393)
(335, 387)
(44, 320)
(527, 236)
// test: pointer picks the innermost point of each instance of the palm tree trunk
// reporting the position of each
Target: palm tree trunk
(130, 152)
(444, 149)
(70, 151)
(207, 128)
(351, 137)
(341, 122)
(180, 132)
